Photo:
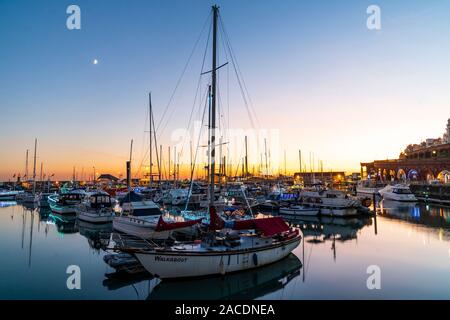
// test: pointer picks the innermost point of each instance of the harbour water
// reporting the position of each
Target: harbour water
(410, 243)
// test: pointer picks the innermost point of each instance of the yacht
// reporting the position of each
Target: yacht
(143, 219)
(135, 204)
(369, 187)
(398, 192)
(96, 207)
(330, 202)
(64, 203)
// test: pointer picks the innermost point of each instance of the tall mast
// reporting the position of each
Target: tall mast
(175, 166)
(246, 158)
(34, 166)
(150, 177)
(265, 153)
(26, 165)
(300, 160)
(169, 155)
(160, 165)
(215, 9)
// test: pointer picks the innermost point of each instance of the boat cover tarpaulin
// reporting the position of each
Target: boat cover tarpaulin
(271, 226)
(164, 226)
(268, 226)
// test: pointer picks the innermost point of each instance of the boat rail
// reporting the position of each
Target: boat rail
(131, 242)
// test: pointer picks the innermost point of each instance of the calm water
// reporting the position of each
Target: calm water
(410, 243)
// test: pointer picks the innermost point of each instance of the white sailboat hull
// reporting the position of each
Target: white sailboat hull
(190, 264)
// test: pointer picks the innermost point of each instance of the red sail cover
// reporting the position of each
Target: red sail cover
(217, 222)
(164, 226)
(271, 226)
(268, 226)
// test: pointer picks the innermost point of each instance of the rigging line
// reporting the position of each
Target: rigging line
(228, 87)
(204, 56)
(142, 146)
(183, 72)
(242, 86)
(198, 89)
(240, 82)
(156, 149)
(232, 53)
(195, 156)
(240, 159)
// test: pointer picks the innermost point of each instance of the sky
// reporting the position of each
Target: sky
(316, 79)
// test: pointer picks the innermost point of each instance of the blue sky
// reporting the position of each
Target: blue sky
(313, 70)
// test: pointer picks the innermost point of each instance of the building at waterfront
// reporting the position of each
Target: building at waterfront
(316, 177)
(429, 160)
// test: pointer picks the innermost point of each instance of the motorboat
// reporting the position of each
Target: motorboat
(143, 219)
(398, 192)
(135, 204)
(64, 203)
(369, 187)
(331, 202)
(96, 207)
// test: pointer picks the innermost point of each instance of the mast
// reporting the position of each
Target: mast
(265, 153)
(212, 128)
(246, 158)
(160, 165)
(300, 160)
(40, 175)
(175, 166)
(150, 177)
(34, 166)
(26, 166)
(169, 155)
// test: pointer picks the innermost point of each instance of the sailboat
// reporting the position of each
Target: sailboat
(30, 198)
(227, 246)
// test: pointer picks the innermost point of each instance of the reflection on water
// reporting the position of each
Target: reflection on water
(250, 284)
(431, 216)
(98, 235)
(405, 240)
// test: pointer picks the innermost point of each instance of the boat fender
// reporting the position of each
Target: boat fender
(255, 259)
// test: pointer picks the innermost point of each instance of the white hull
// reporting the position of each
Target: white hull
(139, 227)
(366, 190)
(299, 212)
(190, 264)
(64, 210)
(395, 197)
(389, 194)
(95, 217)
